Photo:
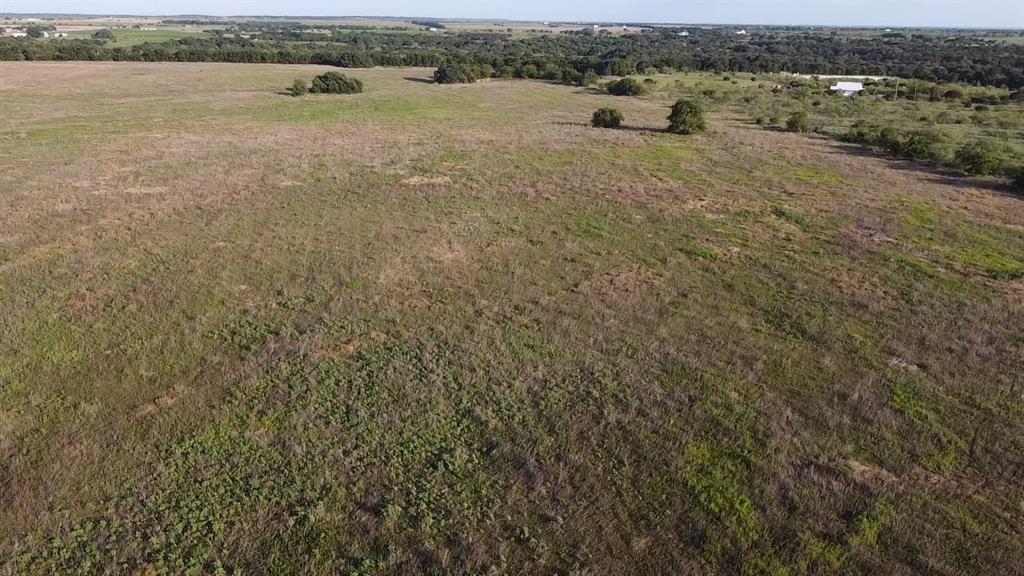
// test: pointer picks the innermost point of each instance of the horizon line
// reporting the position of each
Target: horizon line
(505, 20)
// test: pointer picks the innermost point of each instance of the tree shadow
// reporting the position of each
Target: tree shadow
(644, 129)
(592, 90)
(420, 80)
(934, 174)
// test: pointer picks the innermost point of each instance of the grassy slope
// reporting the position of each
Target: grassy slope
(456, 329)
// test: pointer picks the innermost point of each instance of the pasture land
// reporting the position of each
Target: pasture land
(455, 329)
(126, 37)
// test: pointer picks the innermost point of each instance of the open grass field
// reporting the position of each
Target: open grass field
(123, 38)
(455, 329)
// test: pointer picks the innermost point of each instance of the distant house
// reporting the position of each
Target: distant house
(684, 33)
(847, 88)
(741, 32)
(14, 33)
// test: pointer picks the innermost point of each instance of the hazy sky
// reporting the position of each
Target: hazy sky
(952, 13)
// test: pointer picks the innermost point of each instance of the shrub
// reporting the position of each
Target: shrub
(607, 118)
(626, 87)
(461, 74)
(799, 121)
(336, 83)
(298, 87)
(104, 34)
(862, 132)
(1017, 179)
(687, 117)
(979, 157)
(921, 145)
(590, 78)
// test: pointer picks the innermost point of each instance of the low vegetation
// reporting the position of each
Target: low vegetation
(626, 87)
(687, 117)
(298, 87)
(799, 121)
(606, 118)
(451, 331)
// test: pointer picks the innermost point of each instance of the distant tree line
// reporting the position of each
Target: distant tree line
(571, 56)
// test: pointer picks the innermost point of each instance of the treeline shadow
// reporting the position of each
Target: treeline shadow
(934, 174)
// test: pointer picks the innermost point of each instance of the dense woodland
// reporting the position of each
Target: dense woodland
(569, 56)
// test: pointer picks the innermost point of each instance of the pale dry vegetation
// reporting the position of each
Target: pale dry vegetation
(455, 329)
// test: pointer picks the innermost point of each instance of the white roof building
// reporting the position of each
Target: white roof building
(847, 88)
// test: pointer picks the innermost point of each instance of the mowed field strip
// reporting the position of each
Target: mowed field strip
(456, 329)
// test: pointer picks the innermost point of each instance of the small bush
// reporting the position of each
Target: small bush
(626, 87)
(104, 34)
(336, 83)
(298, 88)
(1017, 179)
(687, 117)
(799, 121)
(607, 118)
(865, 133)
(979, 157)
(918, 145)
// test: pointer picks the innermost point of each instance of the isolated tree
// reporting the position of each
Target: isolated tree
(104, 34)
(626, 87)
(454, 74)
(687, 117)
(798, 121)
(298, 87)
(607, 118)
(336, 83)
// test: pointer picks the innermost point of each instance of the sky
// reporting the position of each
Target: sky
(940, 13)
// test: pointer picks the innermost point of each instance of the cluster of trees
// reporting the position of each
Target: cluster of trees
(571, 57)
(329, 83)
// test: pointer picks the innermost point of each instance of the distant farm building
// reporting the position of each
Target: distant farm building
(741, 32)
(847, 88)
(684, 33)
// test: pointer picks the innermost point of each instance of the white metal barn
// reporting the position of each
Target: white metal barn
(847, 88)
